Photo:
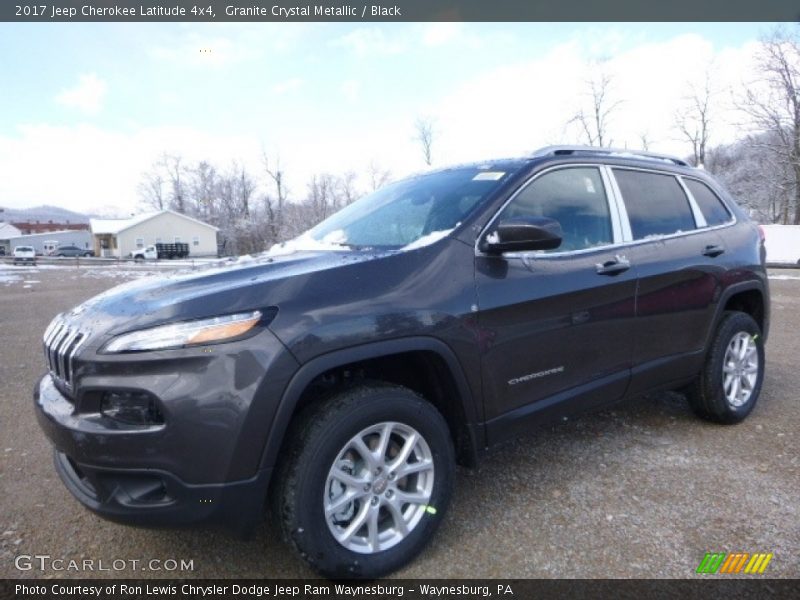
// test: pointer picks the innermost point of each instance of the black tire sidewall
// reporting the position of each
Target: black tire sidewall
(718, 405)
(310, 531)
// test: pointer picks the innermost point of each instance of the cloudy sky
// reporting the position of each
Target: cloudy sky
(86, 108)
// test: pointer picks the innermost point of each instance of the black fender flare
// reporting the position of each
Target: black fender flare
(732, 290)
(316, 366)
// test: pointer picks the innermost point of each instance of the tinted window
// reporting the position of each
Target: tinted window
(710, 205)
(655, 203)
(576, 198)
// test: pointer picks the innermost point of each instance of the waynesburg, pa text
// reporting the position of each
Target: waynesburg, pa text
(273, 590)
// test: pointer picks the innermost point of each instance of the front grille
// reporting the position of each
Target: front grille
(61, 343)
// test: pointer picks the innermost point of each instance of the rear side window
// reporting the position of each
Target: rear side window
(656, 203)
(710, 205)
(576, 198)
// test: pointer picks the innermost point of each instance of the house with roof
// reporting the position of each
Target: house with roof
(7, 233)
(120, 237)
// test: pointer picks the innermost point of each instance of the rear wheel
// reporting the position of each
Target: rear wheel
(366, 482)
(730, 383)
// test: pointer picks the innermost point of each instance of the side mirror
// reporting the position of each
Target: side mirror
(523, 234)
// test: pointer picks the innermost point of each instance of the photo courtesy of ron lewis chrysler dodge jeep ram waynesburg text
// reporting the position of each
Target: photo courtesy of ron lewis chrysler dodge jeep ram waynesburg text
(334, 382)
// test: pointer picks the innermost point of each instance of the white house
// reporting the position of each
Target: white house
(7, 233)
(120, 237)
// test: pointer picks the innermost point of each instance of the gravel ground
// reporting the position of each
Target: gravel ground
(644, 490)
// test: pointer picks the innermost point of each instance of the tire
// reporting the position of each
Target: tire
(320, 443)
(708, 395)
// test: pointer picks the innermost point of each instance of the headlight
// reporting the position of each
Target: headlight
(187, 333)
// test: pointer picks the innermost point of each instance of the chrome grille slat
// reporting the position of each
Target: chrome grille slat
(73, 352)
(48, 341)
(62, 353)
(54, 348)
(61, 344)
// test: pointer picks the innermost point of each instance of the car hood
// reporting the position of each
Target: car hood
(225, 287)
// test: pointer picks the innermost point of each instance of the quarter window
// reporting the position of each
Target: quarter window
(576, 198)
(710, 205)
(656, 203)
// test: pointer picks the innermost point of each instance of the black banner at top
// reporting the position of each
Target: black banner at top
(396, 10)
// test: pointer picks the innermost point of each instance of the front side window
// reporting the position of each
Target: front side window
(710, 205)
(576, 198)
(655, 202)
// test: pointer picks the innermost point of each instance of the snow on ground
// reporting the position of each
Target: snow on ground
(785, 277)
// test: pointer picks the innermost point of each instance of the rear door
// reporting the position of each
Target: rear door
(676, 255)
(556, 326)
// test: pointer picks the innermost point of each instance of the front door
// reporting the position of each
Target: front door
(557, 326)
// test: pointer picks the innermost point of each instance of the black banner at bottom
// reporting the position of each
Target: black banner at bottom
(321, 589)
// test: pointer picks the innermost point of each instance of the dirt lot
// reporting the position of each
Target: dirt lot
(644, 490)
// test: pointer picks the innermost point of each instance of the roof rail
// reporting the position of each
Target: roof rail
(617, 152)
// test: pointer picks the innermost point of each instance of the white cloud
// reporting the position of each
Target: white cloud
(439, 34)
(351, 89)
(514, 109)
(508, 110)
(370, 41)
(87, 95)
(290, 85)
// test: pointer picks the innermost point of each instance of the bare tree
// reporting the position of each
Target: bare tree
(593, 121)
(151, 189)
(644, 140)
(347, 188)
(203, 188)
(424, 135)
(378, 176)
(773, 104)
(693, 119)
(275, 205)
(171, 170)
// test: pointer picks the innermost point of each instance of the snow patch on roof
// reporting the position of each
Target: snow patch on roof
(114, 226)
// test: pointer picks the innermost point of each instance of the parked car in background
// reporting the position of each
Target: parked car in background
(24, 254)
(71, 250)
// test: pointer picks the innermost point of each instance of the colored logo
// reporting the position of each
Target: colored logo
(736, 562)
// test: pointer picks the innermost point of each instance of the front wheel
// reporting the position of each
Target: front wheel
(728, 387)
(366, 481)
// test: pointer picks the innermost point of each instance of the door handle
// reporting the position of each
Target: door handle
(615, 266)
(713, 250)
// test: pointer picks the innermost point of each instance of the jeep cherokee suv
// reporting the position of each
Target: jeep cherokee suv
(336, 380)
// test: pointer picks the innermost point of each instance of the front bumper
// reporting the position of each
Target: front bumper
(201, 462)
(138, 496)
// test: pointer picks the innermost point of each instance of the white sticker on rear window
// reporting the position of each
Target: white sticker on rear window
(589, 185)
(489, 176)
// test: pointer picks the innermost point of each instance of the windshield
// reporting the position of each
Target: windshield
(413, 211)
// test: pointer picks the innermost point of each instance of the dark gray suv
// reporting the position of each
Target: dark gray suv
(335, 381)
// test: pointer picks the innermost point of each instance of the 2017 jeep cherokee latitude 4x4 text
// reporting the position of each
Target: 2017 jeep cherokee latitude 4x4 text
(335, 381)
